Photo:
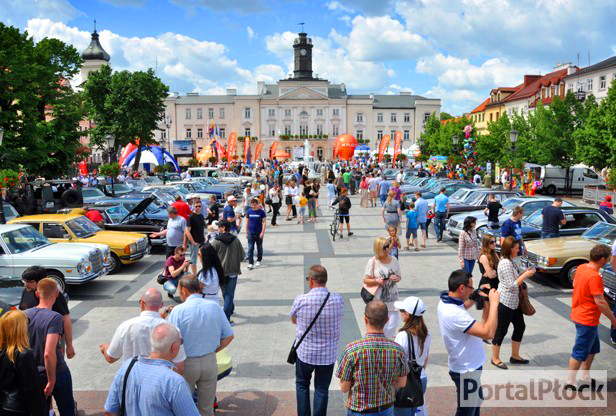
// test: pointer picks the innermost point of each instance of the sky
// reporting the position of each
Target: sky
(455, 50)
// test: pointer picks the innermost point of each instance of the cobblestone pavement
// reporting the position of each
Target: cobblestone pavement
(262, 383)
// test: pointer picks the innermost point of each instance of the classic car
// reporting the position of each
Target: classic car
(22, 246)
(529, 203)
(118, 188)
(117, 218)
(157, 210)
(136, 184)
(451, 186)
(561, 256)
(152, 180)
(208, 184)
(163, 199)
(91, 195)
(125, 247)
(479, 199)
(609, 282)
(9, 211)
(579, 219)
(187, 188)
(224, 176)
(418, 184)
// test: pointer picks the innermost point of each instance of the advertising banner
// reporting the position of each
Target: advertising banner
(383, 146)
(397, 145)
(231, 144)
(246, 148)
(258, 151)
(273, 149)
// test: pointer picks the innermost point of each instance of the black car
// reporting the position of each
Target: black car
(478, 199)
(579, 219)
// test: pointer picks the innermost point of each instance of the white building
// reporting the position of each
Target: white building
(595, 79)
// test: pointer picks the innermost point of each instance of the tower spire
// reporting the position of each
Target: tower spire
(94, 25)
(302, 25)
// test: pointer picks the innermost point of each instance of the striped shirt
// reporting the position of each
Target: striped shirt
(373, 364)
(508, 271)
(320, 347)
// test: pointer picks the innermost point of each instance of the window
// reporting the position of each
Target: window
(247, 132)
(497, 114)
(336, 111)
(222, 133)
(287, 113)
(426, 117)
(319, 112)
(200, 113)
(570, 87)
(406, 135)
(379, 117)
(360, 134)
(271, 112)
(490, 117)
(360, 117)
(54, 231)
(335, 130)
(188, 133)
(393, 117)
(392, 134)
(221, 113)
(210, 113)
(188, 114)
(379, 134)
(287, 129)
(589, 84)
(247, 112)
(303, 130)
(407, 117)
(272, 130)
(199, 133)
(163, 135)
(552, 91)
(319, 129)
(320, 152)
(581, 220)
(602, 82)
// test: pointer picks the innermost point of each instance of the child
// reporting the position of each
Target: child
(411, 227)
(331, 193)
(393, 240)
(303, 201)
(212, 232)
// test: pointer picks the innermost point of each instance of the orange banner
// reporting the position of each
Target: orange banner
(231, 145)
(258, 151)
(397, 145)
(273, 149)
(246, 148)
(383, 146)
(336, 147)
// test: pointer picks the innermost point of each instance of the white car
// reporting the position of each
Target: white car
(21, 246)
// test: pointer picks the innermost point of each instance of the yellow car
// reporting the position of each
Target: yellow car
(126, 247)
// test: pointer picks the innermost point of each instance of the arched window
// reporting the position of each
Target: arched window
(320, 153)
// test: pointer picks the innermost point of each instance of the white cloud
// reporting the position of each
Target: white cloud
(368, 7)
(17, 12)
(251, 33)
(242, 6)
(455, 101)
(337, 6)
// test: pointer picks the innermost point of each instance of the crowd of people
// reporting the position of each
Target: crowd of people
(169, 354)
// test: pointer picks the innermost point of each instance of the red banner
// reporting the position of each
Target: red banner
(231, 145)
(383, 146)
(273, 149)
(397, 145)
(336, 147)
(258, 150)
(246, 148)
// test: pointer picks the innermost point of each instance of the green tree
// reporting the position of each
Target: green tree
(445, 116)
(39, 111)
(127, 105)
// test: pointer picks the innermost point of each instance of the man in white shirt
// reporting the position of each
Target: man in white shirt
(463, 335)
(132, 337)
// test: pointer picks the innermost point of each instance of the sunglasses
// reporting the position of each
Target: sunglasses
(492, 242)
(470, 287)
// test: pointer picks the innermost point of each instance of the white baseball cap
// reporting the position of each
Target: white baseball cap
(231, 198)
(413, 305)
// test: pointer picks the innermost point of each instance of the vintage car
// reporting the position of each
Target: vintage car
(22, 246)
(126, 247)
(92, 195)
(9, 211)
(117, 218)
(479, 199)
(609, 283)
(157, 210)
(561, 256)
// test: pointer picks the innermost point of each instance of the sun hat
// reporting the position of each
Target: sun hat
(413, 305)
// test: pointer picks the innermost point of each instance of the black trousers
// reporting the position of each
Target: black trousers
(276, 207)
(508, 316)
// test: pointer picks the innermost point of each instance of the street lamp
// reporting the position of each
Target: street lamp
(111, 151)
(168, 122)
(2, 218)
(513, 137)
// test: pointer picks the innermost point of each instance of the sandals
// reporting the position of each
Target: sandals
(500, 365)
(416, 249)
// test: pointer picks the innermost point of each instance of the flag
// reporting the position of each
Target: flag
(214, 145)
(273, 149)
(336, 147)
(258, 151)
(383, 146)
(397, 144)
(246, 149)
(231, 145)
(249, 156)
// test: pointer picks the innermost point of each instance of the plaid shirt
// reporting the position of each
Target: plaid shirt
(373, 364)
(320, 347)
(508, 272)
(469, 246)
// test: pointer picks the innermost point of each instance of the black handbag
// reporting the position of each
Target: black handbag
(292, 358)
(411, 395)
(366, 296)
(161, 279)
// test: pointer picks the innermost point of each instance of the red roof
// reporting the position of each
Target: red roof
(535, 86)
(481, 107)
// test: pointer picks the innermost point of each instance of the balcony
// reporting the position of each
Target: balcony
(309, 137)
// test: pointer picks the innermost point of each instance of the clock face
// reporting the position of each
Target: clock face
(303, 52)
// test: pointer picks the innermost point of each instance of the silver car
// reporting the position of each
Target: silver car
(529, 203)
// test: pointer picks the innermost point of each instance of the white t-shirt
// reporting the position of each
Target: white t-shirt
(210, 282)
(275, 195)
(465, 350)
(132, 337)
(403, 340)
(388, 292)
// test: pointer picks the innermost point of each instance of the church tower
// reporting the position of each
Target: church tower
(302, 47)
(94, 57)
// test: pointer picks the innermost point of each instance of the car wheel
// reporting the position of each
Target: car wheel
(550, 190)
(116, 264)
(567, 273)
(58, 278)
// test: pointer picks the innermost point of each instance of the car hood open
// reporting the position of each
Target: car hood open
(140, 207)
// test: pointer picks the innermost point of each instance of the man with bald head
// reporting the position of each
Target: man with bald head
(372, 368)
(132, 337)
(151, 387)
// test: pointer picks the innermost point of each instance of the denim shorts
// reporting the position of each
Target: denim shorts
(410, 231)
(586, 342)
(423, 226)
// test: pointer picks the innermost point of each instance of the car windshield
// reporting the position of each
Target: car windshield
(535, 219)
(459, 194)
(82, 227)
(152, 180)
(89, 193)
(9, 212)
(119, 188)
(167, 197)
(117, 214)
(180, 189)
(24, 239)
(602, 233)
(231, 175)
(198, 186)
(476, 198)
(511, 202)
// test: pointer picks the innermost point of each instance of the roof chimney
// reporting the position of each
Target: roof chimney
(231, 91)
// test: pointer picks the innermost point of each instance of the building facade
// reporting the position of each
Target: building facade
(594, 79)
(291, 111)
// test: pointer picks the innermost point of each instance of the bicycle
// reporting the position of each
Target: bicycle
(335, 225)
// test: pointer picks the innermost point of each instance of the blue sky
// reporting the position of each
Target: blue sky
(456, 50)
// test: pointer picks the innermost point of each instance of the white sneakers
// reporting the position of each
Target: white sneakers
(257, 264)
(250, 266)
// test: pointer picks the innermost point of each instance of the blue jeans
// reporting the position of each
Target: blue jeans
(386, 412)
(410, 411)
(322, 379)
(228, 293)
(252, 239)
(549, 235)
(439, 223)
(613, 333)
(472, 392)
(586, 342)
(383, 198)
(63, 393)
(171, 286)
(469, 265)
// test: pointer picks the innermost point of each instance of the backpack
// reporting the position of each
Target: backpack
(345, 203)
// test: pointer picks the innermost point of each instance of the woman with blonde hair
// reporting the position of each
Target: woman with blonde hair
(21, 392)
(488, 265)
(392, 214)
(380, 277)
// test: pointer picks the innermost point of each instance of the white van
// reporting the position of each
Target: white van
(553, 179)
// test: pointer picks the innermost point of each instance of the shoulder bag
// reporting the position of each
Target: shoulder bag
(292, 358)
(525, 305)
(366, 293)
(411, 395)
(123, 402)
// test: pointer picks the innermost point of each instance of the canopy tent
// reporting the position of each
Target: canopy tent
(413, 151)
(281, 154)
(151, 155)
(362, 148)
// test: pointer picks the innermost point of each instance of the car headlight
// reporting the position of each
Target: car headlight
(547, 261)
(107, 255)
(84, 267)
(131, 248)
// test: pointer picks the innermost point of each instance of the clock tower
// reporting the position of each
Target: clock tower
(302, 47)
